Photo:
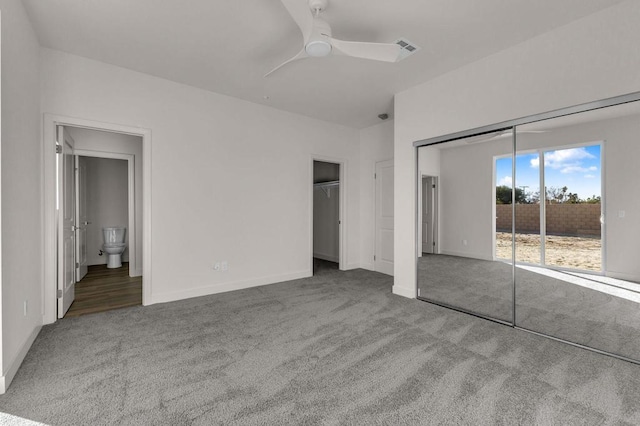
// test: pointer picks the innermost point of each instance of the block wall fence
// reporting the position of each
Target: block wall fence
(562, 219)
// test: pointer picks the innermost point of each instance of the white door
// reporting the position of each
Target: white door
(81, 217)
(66, 222)
(383, 260)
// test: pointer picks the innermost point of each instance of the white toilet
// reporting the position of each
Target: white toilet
(114, 245)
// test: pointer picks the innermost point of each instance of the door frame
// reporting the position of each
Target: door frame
(342, 215)
(131, 199)
(49, 279)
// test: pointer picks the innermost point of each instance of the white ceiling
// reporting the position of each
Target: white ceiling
(226, 46)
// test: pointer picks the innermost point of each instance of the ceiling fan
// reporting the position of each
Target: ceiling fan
(318, 41)
(498, 135)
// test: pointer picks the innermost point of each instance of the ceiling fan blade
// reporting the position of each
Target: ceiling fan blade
(387, 52)
(301, 14)
(301, 55)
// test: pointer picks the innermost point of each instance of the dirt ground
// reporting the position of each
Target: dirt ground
(568, 252)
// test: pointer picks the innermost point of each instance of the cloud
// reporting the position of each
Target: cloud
(535, 162)
(566, 160)
(506, 181)
(589, 176)
(578, 169)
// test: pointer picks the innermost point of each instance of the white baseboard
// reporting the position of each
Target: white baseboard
(368, 266)
(14, 365)
(135, 273)
(622, 276)
(404, 292)
(351, 266)
(468, 255)
(326, 257)
(225, 287)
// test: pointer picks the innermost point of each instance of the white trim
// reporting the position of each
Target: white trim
(409, 293)
(131, 182)
(49, 225)
(478, 256)
(14, 365)
(343, 228)
(225, 287)
(619, 275)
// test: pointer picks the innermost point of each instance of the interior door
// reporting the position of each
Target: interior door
(429, 214)
(81, 217)
(67, 221)
(383, 260)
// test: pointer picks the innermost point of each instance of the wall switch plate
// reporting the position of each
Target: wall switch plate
(224, 265)
(621, 213)
(464, 242)
(216, 266)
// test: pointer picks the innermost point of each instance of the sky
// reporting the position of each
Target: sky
(576, 168)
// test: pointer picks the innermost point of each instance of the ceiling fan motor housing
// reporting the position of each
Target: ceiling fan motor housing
(318, 5)
(319, 44)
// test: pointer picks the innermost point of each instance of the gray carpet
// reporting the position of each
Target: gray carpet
(544, 304)
(337, 348)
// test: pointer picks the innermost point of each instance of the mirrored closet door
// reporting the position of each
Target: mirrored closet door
(537, 225)
(465, 241)
(577, 273)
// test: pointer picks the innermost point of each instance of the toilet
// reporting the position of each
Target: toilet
(114, 245)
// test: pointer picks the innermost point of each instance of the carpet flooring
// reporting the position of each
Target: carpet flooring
(559, 305)
(337, 348)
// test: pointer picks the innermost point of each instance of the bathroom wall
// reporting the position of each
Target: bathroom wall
(107, 203)
(94, 140)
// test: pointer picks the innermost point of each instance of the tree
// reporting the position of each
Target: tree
(503, 195)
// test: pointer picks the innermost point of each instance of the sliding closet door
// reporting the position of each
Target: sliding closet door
(577, 272)
(465, 198)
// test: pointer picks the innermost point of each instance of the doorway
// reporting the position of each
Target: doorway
(327, 193)
(98, 187)
(429, 214)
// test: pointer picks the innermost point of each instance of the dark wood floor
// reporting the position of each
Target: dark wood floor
(103, 289)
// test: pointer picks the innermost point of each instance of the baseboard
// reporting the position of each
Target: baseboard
(15, 364)
(404, 292)
(468, 255)
(351, 266)
(225, 287)
(368, 266)
(622, 276)
(326, 257)
(135, 273)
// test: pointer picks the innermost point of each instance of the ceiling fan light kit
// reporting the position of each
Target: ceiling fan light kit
(318, 40)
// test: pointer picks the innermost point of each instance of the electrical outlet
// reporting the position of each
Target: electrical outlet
(26, 303)
(464, 242)
(225, 265)
(216, 266)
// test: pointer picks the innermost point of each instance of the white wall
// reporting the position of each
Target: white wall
(593, 58)
(107, 203)
(109, 142)
(21, 190)
(376, 144)
(230, 179)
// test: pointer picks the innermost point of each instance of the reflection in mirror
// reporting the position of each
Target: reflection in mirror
(578, 240)
(464, 248)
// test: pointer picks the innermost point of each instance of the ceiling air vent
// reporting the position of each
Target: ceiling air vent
(408, 48)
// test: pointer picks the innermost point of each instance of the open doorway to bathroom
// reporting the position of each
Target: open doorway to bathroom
(100, 196)
(326, 215)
